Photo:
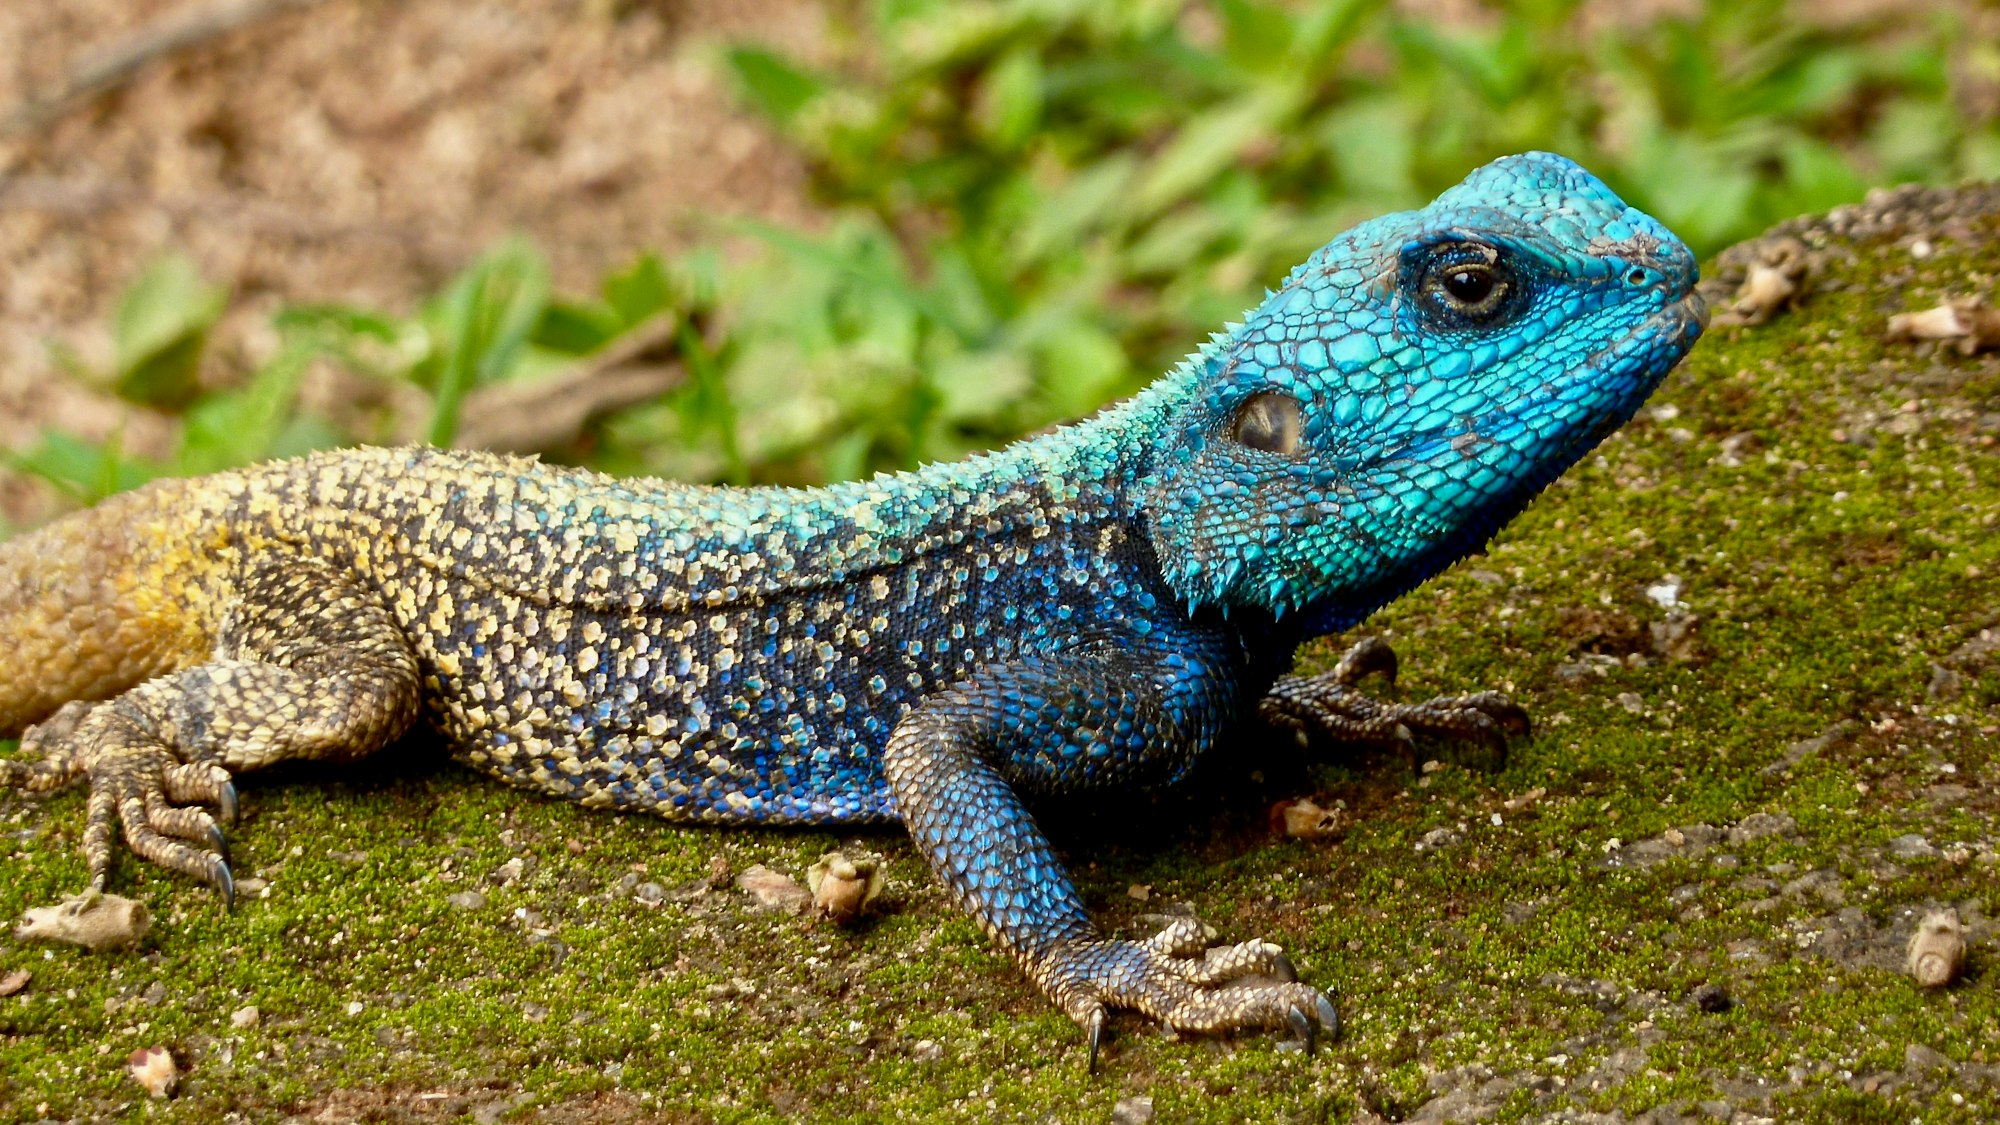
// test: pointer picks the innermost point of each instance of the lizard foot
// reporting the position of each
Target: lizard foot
(136, 785)
(1330, 705)
(1178, 978)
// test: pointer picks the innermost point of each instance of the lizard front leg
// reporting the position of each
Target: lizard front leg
(955, 765)
(307, 664)
(1331, 705)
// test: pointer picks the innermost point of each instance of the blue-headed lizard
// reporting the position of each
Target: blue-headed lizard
(1089, 609)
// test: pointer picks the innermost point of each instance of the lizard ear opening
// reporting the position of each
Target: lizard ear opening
(1268, 421)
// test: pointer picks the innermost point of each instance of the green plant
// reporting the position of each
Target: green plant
(1034, 206)
(1044, 202)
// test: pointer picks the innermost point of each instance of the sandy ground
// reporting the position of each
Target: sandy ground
(348, 150)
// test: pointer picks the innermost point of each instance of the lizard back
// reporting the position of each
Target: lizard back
(698, 652)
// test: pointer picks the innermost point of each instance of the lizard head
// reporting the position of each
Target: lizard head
(1410, 388)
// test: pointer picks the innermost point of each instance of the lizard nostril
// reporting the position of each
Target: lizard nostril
(1638, 276)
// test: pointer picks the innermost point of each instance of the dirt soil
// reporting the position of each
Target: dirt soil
(350, 150)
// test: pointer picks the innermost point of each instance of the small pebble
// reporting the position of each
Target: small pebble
(1937, 949)
(467, 900)
(773, 890)
(844, 886)
(246, 1018)
(926, 1050)
(1712, 998)
(153, 1068)
(1912, 846)
(1918, 1058)
(14, 982)
(649, 894)
(1304, 819)
(1132, 1111)
(356, 1007)
(95, 921)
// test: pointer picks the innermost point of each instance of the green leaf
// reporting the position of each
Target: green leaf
(977, 387)
(1209, 144)
(879, 273)
(773, 83)
(1818, 176)
(338, 320)
(481, 323)
(379, 346)
(1008, 105)
(242, 426)
(1913, 137)
(86, 472)
(1373, 142)
(1079, 366)
(576, 328)
(1256, 37)
(640, 291)
(159, 330)
(1695, 189)
(1069, 213)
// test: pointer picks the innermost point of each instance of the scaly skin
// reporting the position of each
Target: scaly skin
(1086, 610)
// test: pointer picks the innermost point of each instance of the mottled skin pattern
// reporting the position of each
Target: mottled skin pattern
(1086, 610)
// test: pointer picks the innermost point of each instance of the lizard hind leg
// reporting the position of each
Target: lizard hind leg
(308, 665)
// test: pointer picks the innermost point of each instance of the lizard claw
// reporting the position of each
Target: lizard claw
(1368, 656)
(1188, 988)
(1303, 1026)
(1329, 705)
(220, 878)
(1094, 1031)
(225, 801)
(1329, 1019)
(1281, 967)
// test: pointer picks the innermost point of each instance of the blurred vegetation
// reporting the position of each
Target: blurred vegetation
(1035, 206)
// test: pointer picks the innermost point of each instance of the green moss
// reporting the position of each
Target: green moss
(1828, 577)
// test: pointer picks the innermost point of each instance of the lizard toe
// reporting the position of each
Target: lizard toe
(1367, 656)
(184, 822)
(1304, 1027)
(1247, 986)
(54, 758)
(1330, 707)
(202, 783)
(135, 785)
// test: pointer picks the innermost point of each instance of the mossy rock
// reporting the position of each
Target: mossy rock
(1760, 632)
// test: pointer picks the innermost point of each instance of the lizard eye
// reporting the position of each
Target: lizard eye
(1269, 422)
(1469, 285)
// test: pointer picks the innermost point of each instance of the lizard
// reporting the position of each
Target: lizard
(1090, 609)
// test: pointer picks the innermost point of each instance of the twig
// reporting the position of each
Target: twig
(543, 414)
(74, 196)
(116, 64)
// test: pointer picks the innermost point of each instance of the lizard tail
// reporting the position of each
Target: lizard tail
(97, 602)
